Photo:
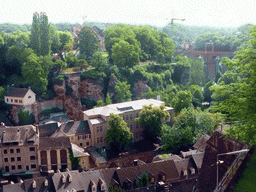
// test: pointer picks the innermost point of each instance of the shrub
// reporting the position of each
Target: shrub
(48, 111)
(89, 102)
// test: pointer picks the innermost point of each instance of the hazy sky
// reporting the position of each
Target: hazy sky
(219, 13)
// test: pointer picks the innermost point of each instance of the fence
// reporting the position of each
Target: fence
(223, 184)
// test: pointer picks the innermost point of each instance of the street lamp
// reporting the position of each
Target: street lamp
(229, 153)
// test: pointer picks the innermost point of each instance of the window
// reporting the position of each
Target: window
(11, 151)
(192, 170)
(101, 129)
(13, 167)
(5, 151)
(137, 114)
(19, 166)
(163, 177)
(17, 150)
(5, 159)
(72, 138)
(87, 143)
(81, 144)
(32, 157)
(152, 180)
(33, 166)
(80, 137)
(27, 167)
(31, 148)
(7, 100)
(131, 126)
(98, 129)
(131, 116)
(20, 101)
(83, 162)
(6, 168)
(11, 100)
(127, 117)
(98, 140)
(12, 159)
(18, 158)
(101, 139)
(16, 100)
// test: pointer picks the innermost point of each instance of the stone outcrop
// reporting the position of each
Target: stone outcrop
(73, 108)
(140, 87)
(111, 86)
(60, 89)
(92, 88)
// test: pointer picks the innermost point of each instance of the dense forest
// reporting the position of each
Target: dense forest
(28, 58)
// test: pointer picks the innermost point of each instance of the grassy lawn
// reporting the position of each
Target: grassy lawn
(69, 70)
(247, 180)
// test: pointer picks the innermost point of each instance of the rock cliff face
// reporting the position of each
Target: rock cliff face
(140, 87)
(60, 89)
(73, 108)
(91, 88)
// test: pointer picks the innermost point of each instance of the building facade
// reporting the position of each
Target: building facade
(98, 118)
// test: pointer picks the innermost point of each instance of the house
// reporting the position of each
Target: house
(19, 96)
(82, 155)
(53, 153)
(19, 147)
(98, 118)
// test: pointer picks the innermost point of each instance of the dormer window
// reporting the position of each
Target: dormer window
(46, 182)
(152, 180)
(34, 184)
(184, 172)
(63, 178)
(69, 178)
(192, 170)
(163, 177)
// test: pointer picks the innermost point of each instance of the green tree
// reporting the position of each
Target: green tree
(55, 39)
(122, 91)
(100, 60)
(197, 95)
(82, 64)
(45, 36)
(35, 34)
(208, 92)
(25, 117)
(240, 96)
(1, 93)
(100, 103)
(88, 42)
(33, 72)
(151, 119)
(118, 135)
(111, 188)
(60, 65)
(182, 100)
(196, 73)
(66, 40)
(125, 55)
(108, 100)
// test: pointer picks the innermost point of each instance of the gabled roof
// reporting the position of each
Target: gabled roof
(78, 151)
(16, 92)
(202, 142)
(48, 143)
(19, 134)
(156, 158)
(80, 180)
(27, 185)
(46, 130)
(198, 159)
(173, 157)
(188, 153)
(184, 164)
(72, 128)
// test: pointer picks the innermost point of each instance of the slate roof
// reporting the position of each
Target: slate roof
(48, 143)
(202, 142)
(198, 159)
(16, 92)
(72, 128)
(184, 164)
(19, 134)
(80, 181)
(156, 158)
(188, 153)
(27, 185)
(46, 130)
(173, 157)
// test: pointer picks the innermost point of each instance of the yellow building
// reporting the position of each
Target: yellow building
(19, 96)
(98, 118)
(82, 155)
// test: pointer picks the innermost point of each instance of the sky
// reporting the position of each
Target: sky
(217, 13)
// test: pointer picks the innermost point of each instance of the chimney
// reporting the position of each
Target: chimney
(135, 162)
